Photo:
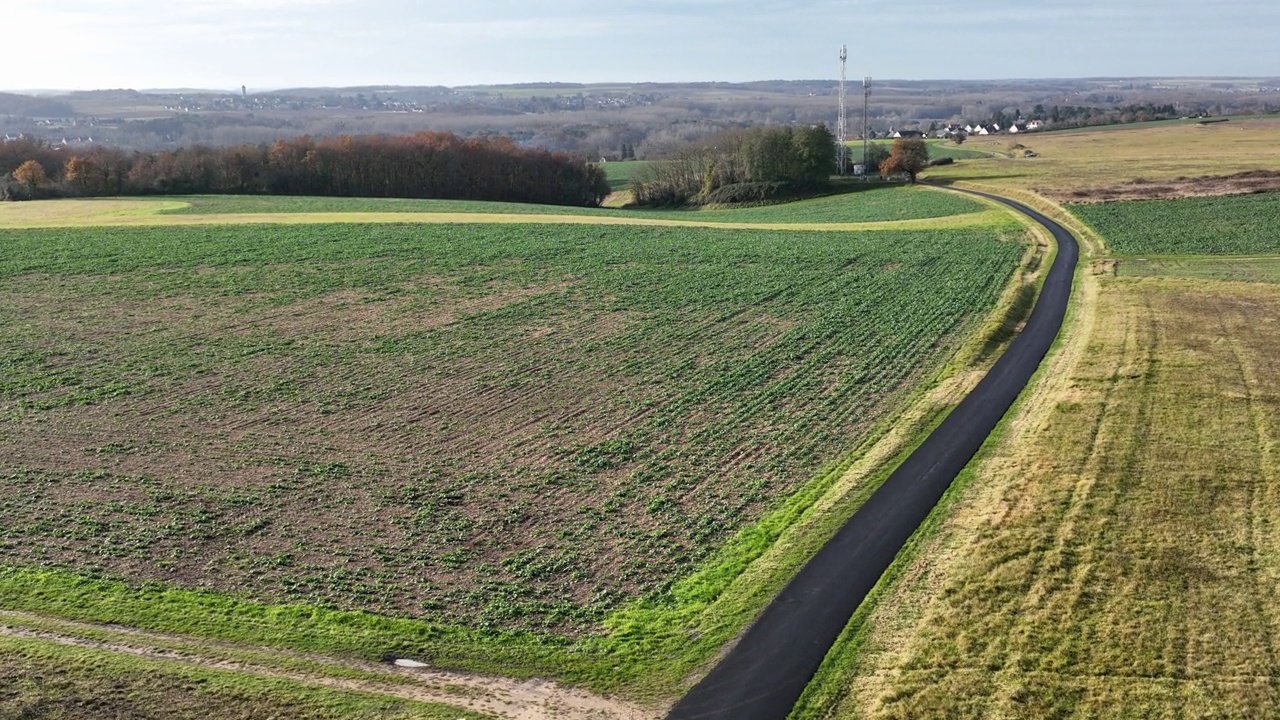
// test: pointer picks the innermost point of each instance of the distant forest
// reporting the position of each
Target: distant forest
(611, 122)
(424, 165)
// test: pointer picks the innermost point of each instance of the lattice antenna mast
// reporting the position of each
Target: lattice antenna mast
(866, 123)
(842, 130)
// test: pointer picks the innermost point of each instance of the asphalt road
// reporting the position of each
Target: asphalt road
(762, 677)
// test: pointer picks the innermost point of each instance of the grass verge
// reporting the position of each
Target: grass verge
(828, 692)
(41, 679)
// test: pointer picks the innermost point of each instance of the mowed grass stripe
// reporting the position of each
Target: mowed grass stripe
(875, 204)
(1232, 268)
(986, 218)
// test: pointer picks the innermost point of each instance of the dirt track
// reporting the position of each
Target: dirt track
(764, 674)
(504, 698)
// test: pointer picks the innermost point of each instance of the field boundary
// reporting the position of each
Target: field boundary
(156, 219)
(488, 696)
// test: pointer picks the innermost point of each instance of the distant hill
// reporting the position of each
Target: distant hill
(28, 106)
(396, 90)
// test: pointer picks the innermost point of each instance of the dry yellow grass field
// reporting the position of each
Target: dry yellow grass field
(120, 212)
(1116, 555)
(1084, 159)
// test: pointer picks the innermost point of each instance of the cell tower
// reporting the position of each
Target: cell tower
(842, 132)
(866, 123)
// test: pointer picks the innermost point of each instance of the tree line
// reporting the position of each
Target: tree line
(1070, 116)
(742, 165)
(424, 165)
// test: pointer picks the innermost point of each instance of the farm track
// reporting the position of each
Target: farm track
(503, 698)
(765, 672)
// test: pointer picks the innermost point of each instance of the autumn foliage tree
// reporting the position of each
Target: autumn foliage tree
(31, 174)
(909, 155)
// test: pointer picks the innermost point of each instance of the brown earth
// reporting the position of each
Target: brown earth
(1253, 181)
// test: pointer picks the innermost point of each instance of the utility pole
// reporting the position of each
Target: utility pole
(866, 124)
(842, 148)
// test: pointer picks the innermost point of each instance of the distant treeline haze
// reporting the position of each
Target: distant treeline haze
(424, 165)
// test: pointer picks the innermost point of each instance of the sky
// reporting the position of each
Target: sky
(274, 44)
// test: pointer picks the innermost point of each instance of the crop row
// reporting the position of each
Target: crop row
(1225, 225)
(496, 426)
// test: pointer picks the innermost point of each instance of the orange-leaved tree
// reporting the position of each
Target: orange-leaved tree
(31, 174)
(909, 155)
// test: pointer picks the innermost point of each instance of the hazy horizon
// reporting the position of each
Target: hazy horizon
(279, 44)
(569, 83)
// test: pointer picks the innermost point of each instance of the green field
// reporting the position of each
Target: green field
(619, 173)
(877, 204)
(1227, 225)
(937, 149)
(948, 149)
(544, 430)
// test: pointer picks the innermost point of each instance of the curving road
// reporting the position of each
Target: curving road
(763, 676)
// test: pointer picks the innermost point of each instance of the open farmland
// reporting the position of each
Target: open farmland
(493, 428)
(948, 149)
(1115, 554)
(1110, 552)
(937, 149)
(876, 207)
(1072, 164)
(619, 173)
(874, 204)
(1226, 225)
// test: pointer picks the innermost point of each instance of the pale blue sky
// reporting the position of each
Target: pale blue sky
(82, 44)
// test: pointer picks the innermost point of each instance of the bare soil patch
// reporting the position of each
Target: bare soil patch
(1252, 181)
